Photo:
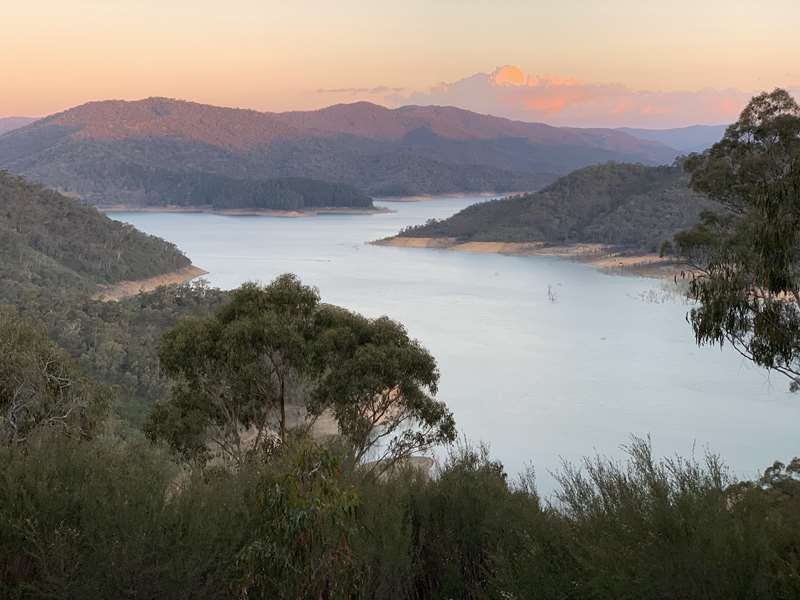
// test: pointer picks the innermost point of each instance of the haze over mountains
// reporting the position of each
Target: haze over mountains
(694, 138)
(162, 151)
(9, 123)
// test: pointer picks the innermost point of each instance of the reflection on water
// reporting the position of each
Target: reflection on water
(540, 357)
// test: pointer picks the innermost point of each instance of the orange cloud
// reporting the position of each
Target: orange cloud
(547, 105)
(653, 111)
(508, 75)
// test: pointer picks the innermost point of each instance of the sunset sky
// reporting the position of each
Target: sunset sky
(623, 62)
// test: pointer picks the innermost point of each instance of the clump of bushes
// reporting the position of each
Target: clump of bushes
(118, 517)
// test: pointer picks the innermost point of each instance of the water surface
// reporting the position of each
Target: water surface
(537, 376)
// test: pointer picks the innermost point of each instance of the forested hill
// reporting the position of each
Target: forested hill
(115, 151)
(146, 186)
(627, 205)
(50, 242)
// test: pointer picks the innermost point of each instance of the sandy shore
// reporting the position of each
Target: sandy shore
(600, 256)
(243, 212)
(426, 197)
(125, 289)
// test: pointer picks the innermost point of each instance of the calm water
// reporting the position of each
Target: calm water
(537, 379)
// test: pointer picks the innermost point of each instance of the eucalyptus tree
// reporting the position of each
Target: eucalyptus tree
(235, 373)
(747, 260)
(380, 386)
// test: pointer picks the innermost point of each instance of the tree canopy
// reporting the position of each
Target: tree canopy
(380, 386)
(748, 261)
(41, 388)
(235, 374)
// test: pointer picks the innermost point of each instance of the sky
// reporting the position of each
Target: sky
(582, 62)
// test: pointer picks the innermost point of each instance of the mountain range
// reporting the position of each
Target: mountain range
(164, 151)
(685, 140)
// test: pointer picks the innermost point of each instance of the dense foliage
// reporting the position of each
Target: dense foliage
(117, 342)
(626, 205)
(379, 385)
(155, 186)
(289, 193)
(269, 349)
(747, 262)
(116, 518)
(48, 240)
(54, 254)
(41, 387)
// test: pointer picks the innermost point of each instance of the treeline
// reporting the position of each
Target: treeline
(173, 172)
(627, 205)
(150, 186)
(91, 508)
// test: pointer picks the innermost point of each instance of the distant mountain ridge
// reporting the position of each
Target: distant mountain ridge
(88, 150)
(11, 123)
(629, 206)
(694, 138)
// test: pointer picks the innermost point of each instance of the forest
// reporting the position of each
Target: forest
(110, 151)
(629, 206)
(55, 254)
(165, 446)
(151, 186)
(47, 237)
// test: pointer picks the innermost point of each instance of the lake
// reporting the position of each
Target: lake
(539, 377)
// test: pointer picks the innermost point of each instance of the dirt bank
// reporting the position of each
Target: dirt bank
(243, 212)
(125, 289)
(426, 197)
(603, 257)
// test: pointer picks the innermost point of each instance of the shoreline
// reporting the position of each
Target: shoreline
(243, 212)
(125, 289)
(428, 197)
(600, 256)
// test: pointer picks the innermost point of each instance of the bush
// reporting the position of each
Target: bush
(116, 517)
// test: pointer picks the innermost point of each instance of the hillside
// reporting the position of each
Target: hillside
(51, 244)
(624, 205)
(156, 150)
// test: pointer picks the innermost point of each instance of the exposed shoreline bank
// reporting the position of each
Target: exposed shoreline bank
(600, 256)
(244, 212)
(125, 289)
(427, 197)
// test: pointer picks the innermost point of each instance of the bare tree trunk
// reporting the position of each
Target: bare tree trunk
(283, 412)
